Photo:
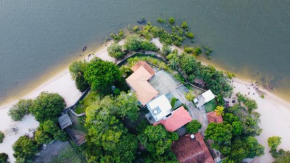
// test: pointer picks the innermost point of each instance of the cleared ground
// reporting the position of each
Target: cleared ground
(58, 152)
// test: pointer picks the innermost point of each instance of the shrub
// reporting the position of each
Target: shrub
(19, 110)
(115, 50)
(136, 28)
(132, 43)
(148, 46)
(189, 34)
(76, 68)
(2, 136)
(117, 37)
(184, 25)
(188, 50)
(189, 96)
(274, 142)
(166, 50)
(193, 127)
(161, 21)
(173, 101)
(171, 20)
(3, 157)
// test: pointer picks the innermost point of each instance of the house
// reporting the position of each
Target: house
(203, 99)
(177, 119)
(214, 118)
(138, 81)
(191, 149)
(159, 108)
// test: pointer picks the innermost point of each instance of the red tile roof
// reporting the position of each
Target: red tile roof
(145, 65)
(214, 118)
(178, 118)
(188, 150)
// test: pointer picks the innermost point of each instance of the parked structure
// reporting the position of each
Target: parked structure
(177, 119)
(203, 99)
(191, 149)
(138, 81)
(214, 118)
(64, 121)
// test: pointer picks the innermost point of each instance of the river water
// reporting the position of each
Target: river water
(250, 38)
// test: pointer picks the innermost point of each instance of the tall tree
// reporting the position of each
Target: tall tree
(24, 148)
(274, 141)
(219, 132)
(47, 106)
(102, 75)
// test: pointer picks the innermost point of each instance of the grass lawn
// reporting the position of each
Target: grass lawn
(67, 155)
(91, 97)
(210, 106)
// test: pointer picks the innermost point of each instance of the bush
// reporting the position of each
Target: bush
(3, 157)
(188, 50)
(173, 101)
(117, 37)
(136, 28)
(161, 21)
(2, 136)
(184, 25)
(193, 127)
(132, 43)
(189, 96)
(81, 83)
(166, 50)
(171, 20)
(19, 110)
(115, 50)
(76, 68)
(148, 46)
(189, 34)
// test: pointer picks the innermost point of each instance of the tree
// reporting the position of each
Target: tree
(24, 148)
(47, 106)
(219, 110)
(193, 127)
(2, 136)
(283, 157)
(127, 105)
(171, 20)
(189, 96)
(77, 68)
(218, 132)
(189, 34)
(237, 128)
(19, 110)
(136, 28)
(81, 83)
(3, 158)
(102, 75)
(184, 25)
(42, 137)
(115, 50)
(274, 142)
(132, 43)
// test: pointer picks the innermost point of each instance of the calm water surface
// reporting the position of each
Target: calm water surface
(251, 38)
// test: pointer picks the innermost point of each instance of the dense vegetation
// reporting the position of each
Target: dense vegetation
(19, 110)
(235, 137)
(46, 108)
(3, 158)
(280, 156)
(193, 127)
(77, 70)
(2, 136)
(109, 140)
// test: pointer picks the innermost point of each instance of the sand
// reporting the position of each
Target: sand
(275, 121)
(61, 84)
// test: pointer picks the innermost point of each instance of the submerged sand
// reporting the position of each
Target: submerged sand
(274, 111)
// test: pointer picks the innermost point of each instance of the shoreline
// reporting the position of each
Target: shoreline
(272, 106)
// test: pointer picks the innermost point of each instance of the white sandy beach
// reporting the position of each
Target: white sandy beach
(274, 111)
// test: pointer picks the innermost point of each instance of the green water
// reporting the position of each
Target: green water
(251, 38)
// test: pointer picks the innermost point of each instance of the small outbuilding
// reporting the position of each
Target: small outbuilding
(64, 121)
(203, 98)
